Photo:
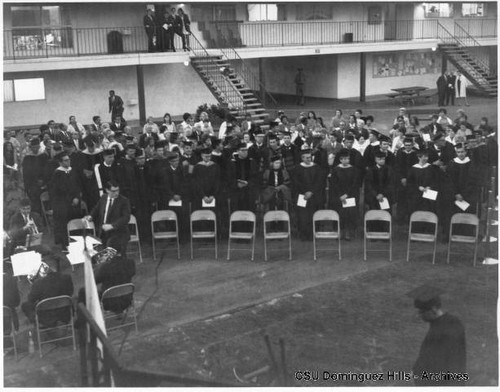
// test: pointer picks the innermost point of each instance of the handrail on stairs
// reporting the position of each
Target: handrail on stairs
(449, 37)
(229, 93)
(247, 74)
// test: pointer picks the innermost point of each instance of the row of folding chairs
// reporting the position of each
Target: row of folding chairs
(328, 218)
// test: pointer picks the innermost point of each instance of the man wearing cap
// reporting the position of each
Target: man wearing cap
(276, 185)
(465, 179)
(175, 190)
(206, 181)
(188, 161)
(422, 176)
(33, 166)
(355, 159)
(105, 171)
(65, 196)
(379, 183)
(442, 357)
(242, 180)
(406, 157)
(157, 169)
(111, 216)
(125, 172)
(309, 180)
(143, 200)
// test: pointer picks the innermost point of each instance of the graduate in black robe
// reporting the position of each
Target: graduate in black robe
(141, 202)
(83, 163)
(442, 357)
(65, 194)
(355, 159)
(33, 167)
(206, 181)
(465, 179)
(406, 157)
(422, 176)
(242, 180)
(379, 183)
(344, 184)
(125, 172)
(175, 190)
(309, 180)
(157, 168)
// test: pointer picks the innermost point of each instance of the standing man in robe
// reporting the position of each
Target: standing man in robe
(115, 105)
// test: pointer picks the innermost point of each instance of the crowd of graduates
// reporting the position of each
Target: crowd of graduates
(344, 164)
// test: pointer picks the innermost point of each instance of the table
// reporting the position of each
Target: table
(407, 94)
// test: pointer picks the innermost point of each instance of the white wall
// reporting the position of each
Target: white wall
(348, 67)
(84, 93)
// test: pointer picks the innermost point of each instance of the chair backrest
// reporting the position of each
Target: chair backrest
(325, 215)
(243, 216)
(377, 215)
(424, 216)
(162, 215)
(77, 224)
(118, 291)
(52, 303)
(278, 215)
(199, 215)
(133, 222)
(462, 218)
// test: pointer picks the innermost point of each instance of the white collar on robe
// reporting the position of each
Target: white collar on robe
(418, 166)
(457, 160)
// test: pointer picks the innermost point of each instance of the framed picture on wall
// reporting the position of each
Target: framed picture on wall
(374, 15)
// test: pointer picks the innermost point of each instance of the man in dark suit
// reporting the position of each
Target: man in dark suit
(96, 124)
(24, 222)
(149, 25)
(115, 105)
(111, 216)
(118, 125)
(182, 28)
(46, 284)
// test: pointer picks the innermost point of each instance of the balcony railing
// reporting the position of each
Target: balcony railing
(268, 34)
(35, 42)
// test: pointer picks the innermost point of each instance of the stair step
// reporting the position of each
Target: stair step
(251, 110)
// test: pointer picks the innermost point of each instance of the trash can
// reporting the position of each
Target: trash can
(348, 37)
(115, 42)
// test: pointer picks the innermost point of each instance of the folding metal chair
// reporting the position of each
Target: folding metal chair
(464, 219)
(203, 216)
(116, 293)
(134, 235)
(241, 216)
(422, 217)
(54, 304)
(165, 216)
(276, 217)
(331, 217)
(377, 216)
(9, 331)
(47, 212)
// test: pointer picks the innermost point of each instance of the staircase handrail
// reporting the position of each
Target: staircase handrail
(470, 39)
(247, 73)
(452, 37)
(218, 76)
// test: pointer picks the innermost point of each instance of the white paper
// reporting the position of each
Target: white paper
(75, 258)
(26, 263)
(430, 194)
(301, 201)
(427, 137)
(165, 26)
(463, 205)
(204, 205)
(173, 203)
(384, 204)
(89, 240)
(349, 202)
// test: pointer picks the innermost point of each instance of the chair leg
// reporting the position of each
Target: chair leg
(448, 255)
(364, 247)
(191, 248)
(314, 246)
(228, 247)
(340, 253)
(390, 248)
(253, 245)
(475, 253)
(265, 247)
(408, 249)
(215, 241)
(154, 249)
(140, 252)
(178, 248)
(289, 246)
(434, 253)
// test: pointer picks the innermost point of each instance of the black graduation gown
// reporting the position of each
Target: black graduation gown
(242, 170)
(33, 168)
(465, 180)
(84, 162)
(206, 182)
(443, 350)
(344, 181)
(379, 180)
(422, 176)
(125, 172)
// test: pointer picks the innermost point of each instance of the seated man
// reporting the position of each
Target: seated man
(46, 284)
(276, 185)
(23, 223)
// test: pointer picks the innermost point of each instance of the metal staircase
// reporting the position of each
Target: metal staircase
(230, 81)
(455, 47)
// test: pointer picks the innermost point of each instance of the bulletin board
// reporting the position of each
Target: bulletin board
(405, 64)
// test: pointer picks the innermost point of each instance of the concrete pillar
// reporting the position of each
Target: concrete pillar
(141, 95)
(362, 77)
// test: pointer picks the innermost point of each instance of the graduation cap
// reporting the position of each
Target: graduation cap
(425, 297)
(437, 136)
(108, 151)
(242, 146)
(383, 138)
(206, 151)
(306, 150)
(259, 133)
(188, 143)
(88, 140)
(172, 156)
(459, 145)
(380, 154)
(286, 133)
(272, 136)
(407, 140)
(275, 158)
(160, 144)
(374, 132)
